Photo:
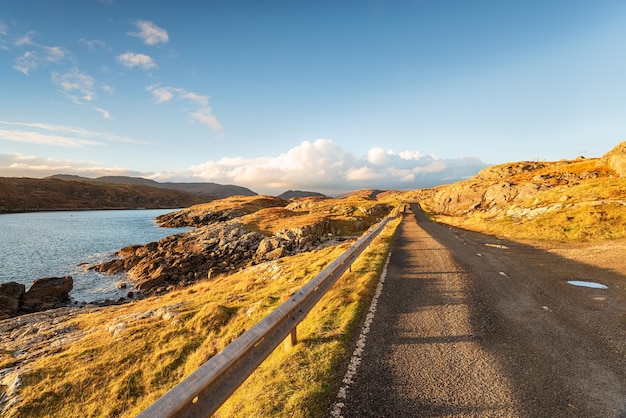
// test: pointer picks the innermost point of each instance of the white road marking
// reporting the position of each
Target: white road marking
(355, 360)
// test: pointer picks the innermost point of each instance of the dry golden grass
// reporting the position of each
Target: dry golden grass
(247, 204)
(341, 213)
(164, 339)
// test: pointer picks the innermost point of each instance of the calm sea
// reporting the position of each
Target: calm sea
(51, 244)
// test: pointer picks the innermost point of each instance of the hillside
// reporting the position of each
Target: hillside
(567, 200)
(299, 194)
(30, 195)
(208, 190)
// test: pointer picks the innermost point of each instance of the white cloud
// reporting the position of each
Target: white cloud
(75, 80)
(164, 94)
(377, 156)
(196, 98)
(54, 53)
(32, 59)
(150, 33)
(27, 62)
(130, 60)
(325, 166)
(205, 116)
(105, 114)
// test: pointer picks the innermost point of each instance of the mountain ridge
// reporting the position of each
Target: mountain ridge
(213, 190)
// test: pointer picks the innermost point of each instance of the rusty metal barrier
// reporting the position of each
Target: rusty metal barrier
(206, 389)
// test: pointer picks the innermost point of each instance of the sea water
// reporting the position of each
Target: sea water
(54, 244)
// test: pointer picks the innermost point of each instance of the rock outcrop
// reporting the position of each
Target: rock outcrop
(506, 184)
(47, 293)
(239, 232)
(214, 249)
(616, 159)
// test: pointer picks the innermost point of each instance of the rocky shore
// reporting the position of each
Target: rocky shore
(224, 242)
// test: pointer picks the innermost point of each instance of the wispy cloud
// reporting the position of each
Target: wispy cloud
(33, 137)
(27, 62)
(75, 81)
(150, 33)
(17, 165)
(4, 31)
(105, 114)
(94, 44)
(203, 115)
(40, 55)
(325, 166)
(66, 134)
(131, 60)
(26, 39)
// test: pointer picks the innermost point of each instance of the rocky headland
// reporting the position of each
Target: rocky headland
(239, 232)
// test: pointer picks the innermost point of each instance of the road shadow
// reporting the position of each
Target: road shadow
(561, 347)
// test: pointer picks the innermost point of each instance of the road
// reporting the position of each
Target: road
(469, 325)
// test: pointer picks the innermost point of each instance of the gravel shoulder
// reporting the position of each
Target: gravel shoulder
(472, 325)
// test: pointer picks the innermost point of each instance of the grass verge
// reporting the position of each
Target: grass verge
(132, 354)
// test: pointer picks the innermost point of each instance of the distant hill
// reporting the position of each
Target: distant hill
(31, 195)
(298, 194)
(211, 190)
(364, 193)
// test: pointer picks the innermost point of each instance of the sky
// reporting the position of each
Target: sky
(318, 95)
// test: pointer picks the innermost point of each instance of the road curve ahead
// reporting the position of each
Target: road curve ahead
(468, 325)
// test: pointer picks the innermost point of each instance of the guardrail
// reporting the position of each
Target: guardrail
(206, 389)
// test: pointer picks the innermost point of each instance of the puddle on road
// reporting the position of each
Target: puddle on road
(592, 285)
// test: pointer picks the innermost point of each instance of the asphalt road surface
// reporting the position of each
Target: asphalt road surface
(469, 325)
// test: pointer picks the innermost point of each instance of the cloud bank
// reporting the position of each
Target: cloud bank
(325, 166)
(321, 166)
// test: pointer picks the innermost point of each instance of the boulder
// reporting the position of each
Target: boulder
(10, 295)
(12, 289)
(616, 159)
(47, 293)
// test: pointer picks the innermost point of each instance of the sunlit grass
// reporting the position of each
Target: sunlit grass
(589, 210)
(161, 340)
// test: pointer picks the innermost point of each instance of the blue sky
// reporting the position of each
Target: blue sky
(324, 95)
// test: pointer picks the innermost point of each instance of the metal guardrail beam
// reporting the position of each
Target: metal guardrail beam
(206, 389)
